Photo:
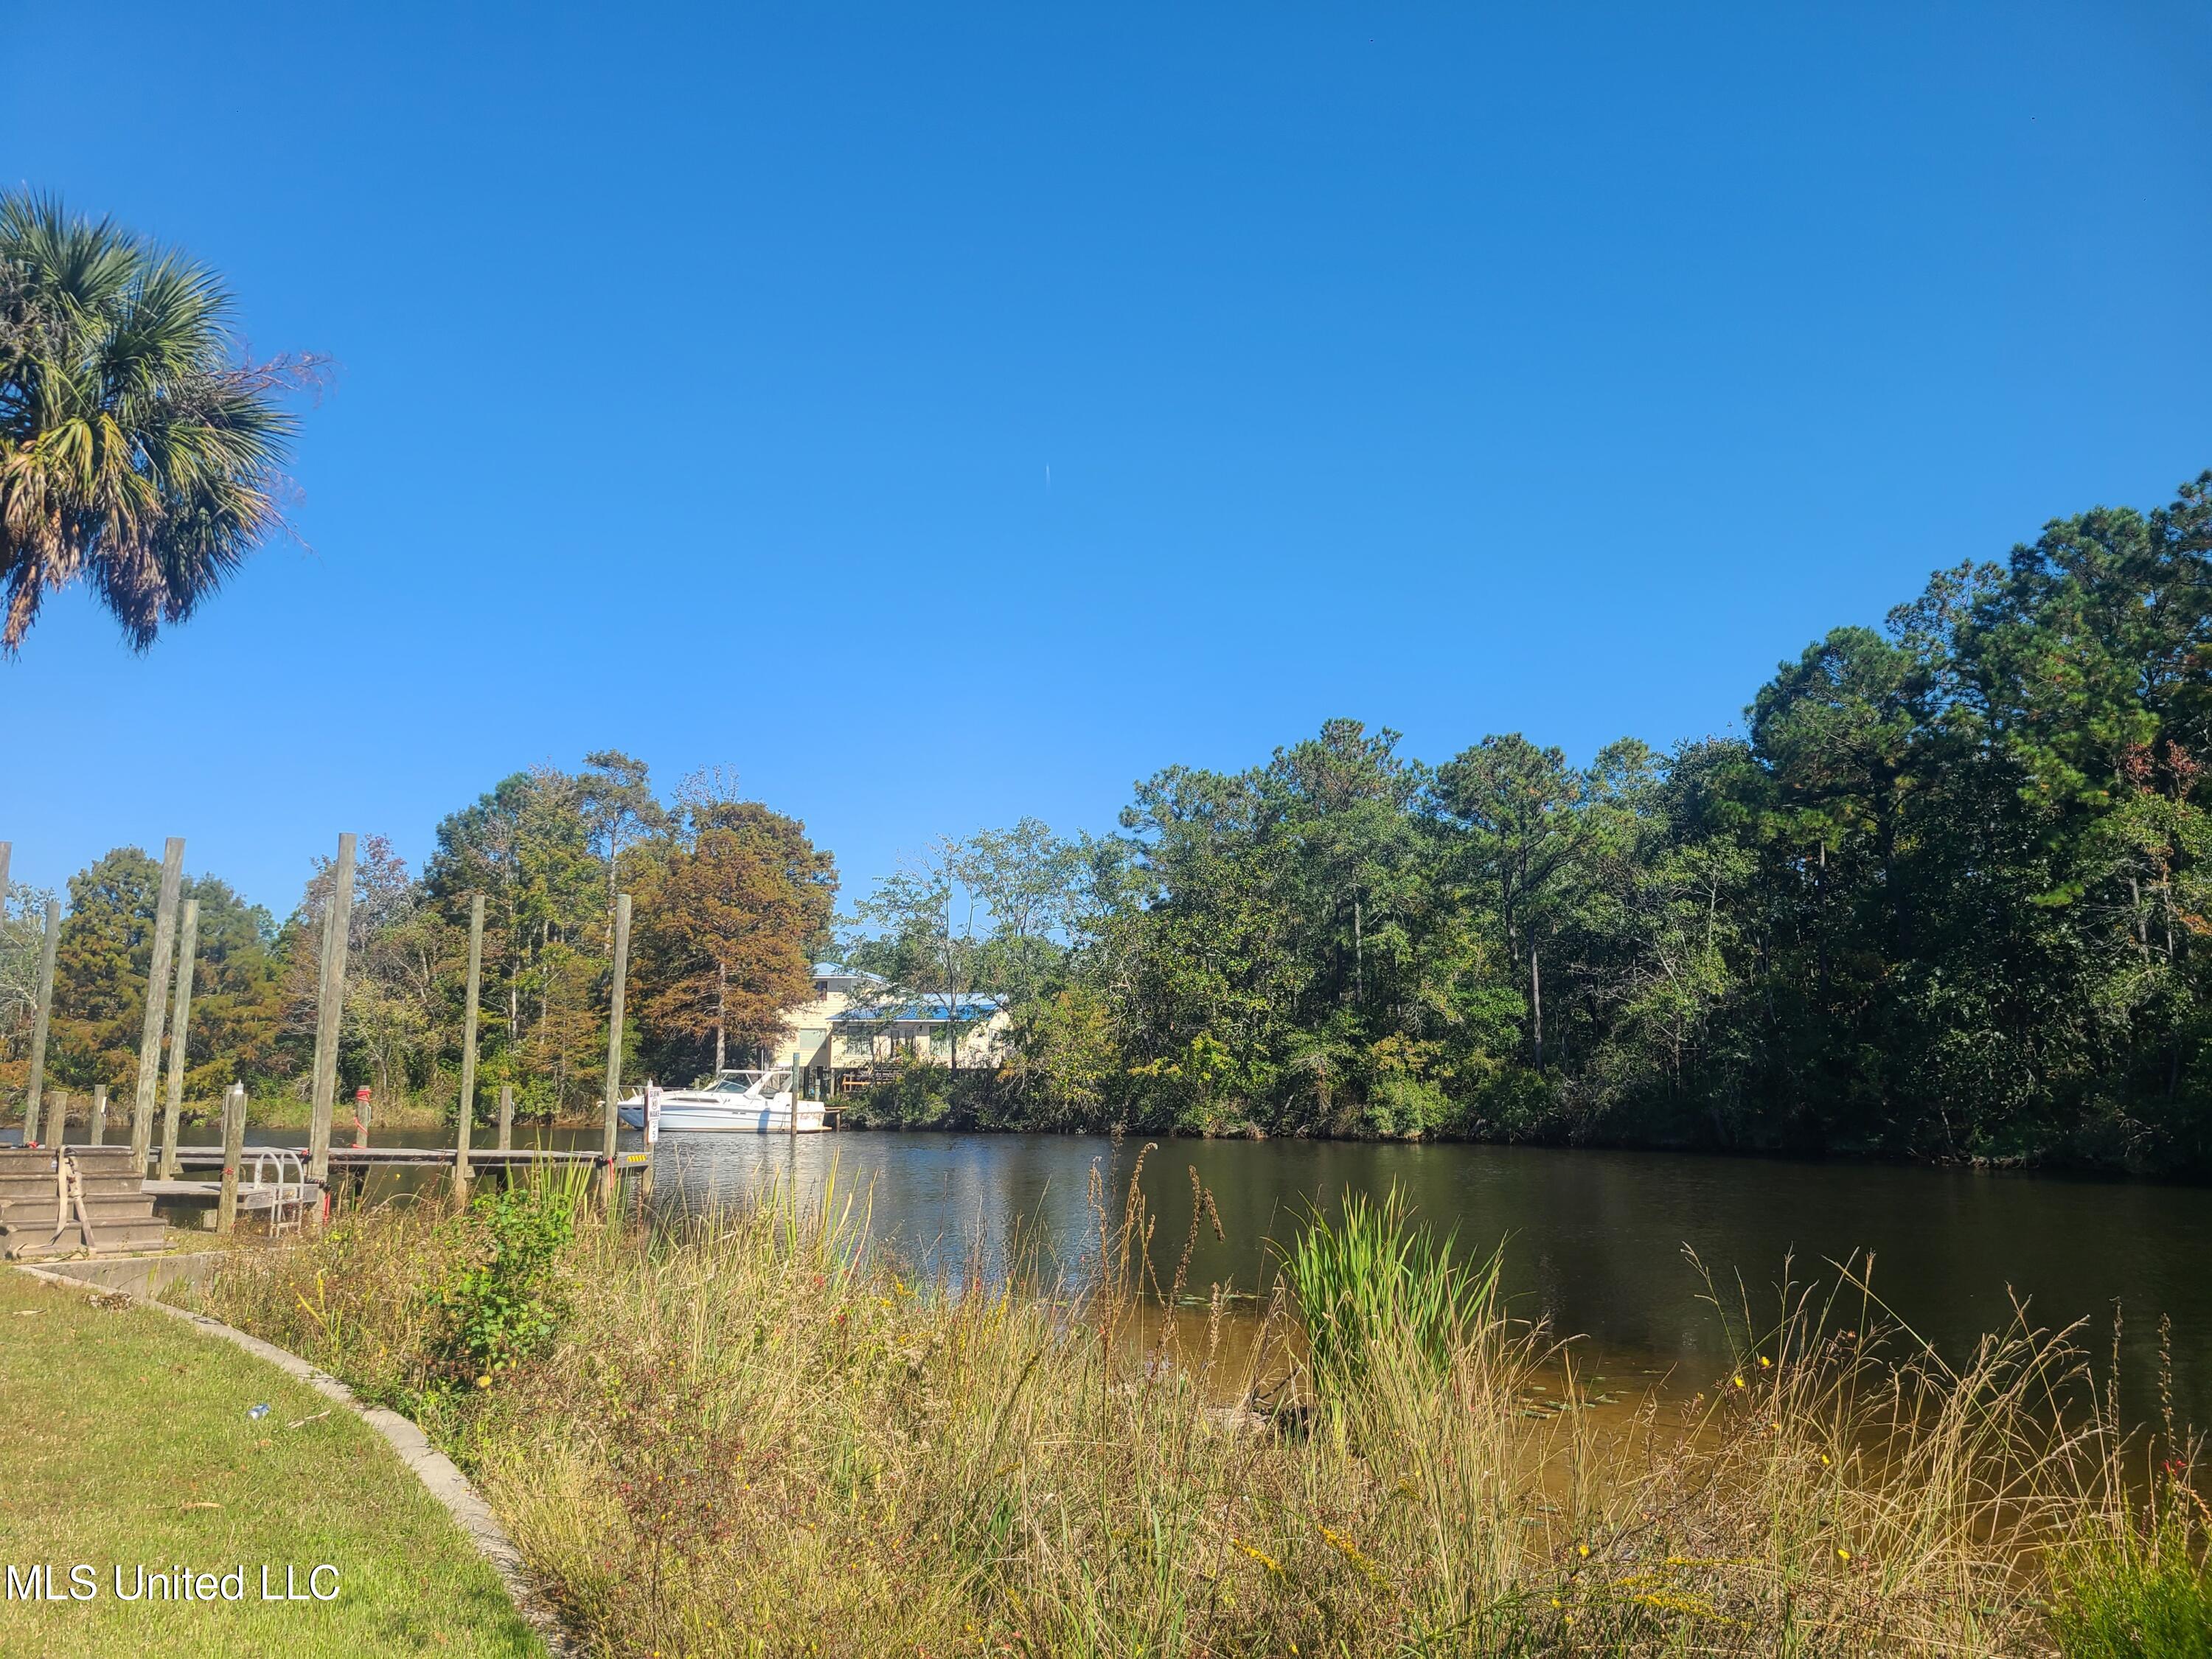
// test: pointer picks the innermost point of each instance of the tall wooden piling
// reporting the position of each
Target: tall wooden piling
(467, 1116)
(157, 1001)
(506, 1116)
(329, 1005)
(99, 1135)
(234, 1153)
(42, 1019)
(188, 938)
(795, 1090)
(615, 1042)
(57, 1117)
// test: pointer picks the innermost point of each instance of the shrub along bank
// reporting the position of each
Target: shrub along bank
(752, 1434)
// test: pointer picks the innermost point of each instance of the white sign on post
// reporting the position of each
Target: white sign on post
(652, 1115)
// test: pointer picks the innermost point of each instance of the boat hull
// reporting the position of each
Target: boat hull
(725, 1117)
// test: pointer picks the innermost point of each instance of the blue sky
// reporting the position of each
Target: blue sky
(943, 414)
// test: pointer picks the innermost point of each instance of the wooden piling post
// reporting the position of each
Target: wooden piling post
(188, 936)
(794, 1091)
(57, 1117)
(157, 1001)
(466, 1115)
(41, 1020)
(330, 1006)
(506, 1116)
(615, 1042)
(233, 1152)
(99, 1135)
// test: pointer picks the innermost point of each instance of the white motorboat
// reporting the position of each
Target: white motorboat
(743, 1102)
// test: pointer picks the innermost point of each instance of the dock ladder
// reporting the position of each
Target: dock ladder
(292, 1193)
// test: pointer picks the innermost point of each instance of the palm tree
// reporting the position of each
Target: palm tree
(139, 452)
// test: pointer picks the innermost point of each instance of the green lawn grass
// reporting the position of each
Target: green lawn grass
(125, 1437)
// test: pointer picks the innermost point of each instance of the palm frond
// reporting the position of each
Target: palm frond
(140, 451)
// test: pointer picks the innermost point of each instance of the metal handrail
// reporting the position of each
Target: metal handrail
(293, 1192)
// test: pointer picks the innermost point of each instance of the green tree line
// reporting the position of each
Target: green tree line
(732, 900)
(1947, 899)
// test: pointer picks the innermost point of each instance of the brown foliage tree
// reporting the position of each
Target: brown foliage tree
(729, 924)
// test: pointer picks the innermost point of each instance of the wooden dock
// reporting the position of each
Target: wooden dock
(482, 1159)
(251, 1198)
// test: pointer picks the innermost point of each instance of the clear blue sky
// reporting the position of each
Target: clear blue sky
(1462, 369)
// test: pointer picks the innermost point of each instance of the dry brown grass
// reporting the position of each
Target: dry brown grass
(753, 1436)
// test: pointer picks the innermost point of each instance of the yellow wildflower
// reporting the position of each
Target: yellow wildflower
(1351, 1553)
(1261, 1556)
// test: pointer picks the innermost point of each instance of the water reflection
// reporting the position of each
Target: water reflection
(1595, 1241)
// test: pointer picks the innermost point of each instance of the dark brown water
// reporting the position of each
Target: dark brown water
(1594, 1241)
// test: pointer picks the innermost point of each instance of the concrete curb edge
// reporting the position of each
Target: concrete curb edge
(438, 1473)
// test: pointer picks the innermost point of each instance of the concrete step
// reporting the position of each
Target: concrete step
(33, 1244)
(13, 1190)
(91, 1163)
(143, 1233)
(30, 1250)
(120, 1207)
(125, 1183)
(137, 1207)
(26, 1221)
(103, 1175)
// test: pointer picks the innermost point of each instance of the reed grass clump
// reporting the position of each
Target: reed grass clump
(752, 1434)
(1371, 1281)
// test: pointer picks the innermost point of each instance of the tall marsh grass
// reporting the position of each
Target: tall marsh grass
(753, 1435)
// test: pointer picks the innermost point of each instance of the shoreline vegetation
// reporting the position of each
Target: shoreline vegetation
(752, 1433)
(1947, 900)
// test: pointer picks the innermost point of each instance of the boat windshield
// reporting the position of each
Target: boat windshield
(735, 1083)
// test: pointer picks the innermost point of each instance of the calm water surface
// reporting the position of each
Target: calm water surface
(1595, 1241)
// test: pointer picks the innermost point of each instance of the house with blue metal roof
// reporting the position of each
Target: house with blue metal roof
(856, 1027)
